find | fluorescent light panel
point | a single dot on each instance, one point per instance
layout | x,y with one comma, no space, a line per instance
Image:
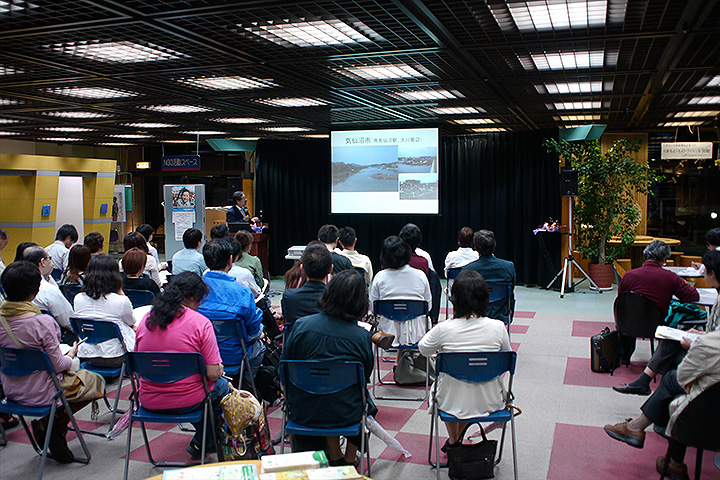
576,118
8,120
178,141
149,125
68,129
7,6
61,139
565,14
714,82
177,108
240,120
292,102
488,130
245,138
116,52
315,135
473,121
456,110
76,114
7,101
286,129
682,124
5,70
430,94
316,33
91,92
707,100
582,105
116,144
227,83
568,60
563,88
202,132
696,114
129,136
381,72
9,134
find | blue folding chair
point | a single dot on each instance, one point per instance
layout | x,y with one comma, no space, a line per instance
95,332
139,298
501,293
56,274
400,311
3,435
70,291
320,378
452,274
166,367
20,362
475,367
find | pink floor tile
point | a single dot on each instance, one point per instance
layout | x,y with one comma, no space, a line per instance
393,418
519,329
417,444
524,314
18,435
515,346
168,447
588,329
577,372
124,392
580,452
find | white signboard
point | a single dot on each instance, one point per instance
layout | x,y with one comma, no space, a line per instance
683,151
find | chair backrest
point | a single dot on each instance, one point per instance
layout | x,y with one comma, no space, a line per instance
56,274
320,377
636,316
139,298
400,310
452,273
227,329
699,422
70,291
96,331
20,362
360,270
499,291
476,367
165,367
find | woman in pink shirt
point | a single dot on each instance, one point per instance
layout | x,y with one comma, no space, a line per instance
173,325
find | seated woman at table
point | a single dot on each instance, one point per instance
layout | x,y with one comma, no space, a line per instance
135,239
332,335
21,282
173,325
469,331
133,263
78,259
102,298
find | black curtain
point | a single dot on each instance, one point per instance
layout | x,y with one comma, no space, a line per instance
505,182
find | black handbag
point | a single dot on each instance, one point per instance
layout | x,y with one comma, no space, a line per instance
472,462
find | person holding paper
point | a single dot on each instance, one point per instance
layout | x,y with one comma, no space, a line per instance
670,353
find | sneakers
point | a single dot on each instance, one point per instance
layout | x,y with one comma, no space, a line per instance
383,340
622,432
194,450
630,389
675,471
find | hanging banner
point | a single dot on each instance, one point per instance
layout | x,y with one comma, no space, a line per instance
686,151
180,162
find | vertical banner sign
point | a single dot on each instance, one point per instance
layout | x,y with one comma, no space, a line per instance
118,206
180,162
183,208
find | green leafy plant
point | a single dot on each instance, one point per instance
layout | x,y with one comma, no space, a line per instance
605,206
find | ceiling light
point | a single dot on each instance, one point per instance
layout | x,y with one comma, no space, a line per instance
576,118
8,120
8,6
7,101
244,138
8,134
149,125
315,135
240,120
68,129
382,72
696,114
227,83
562,88
178,141
5,70
116,144
682,124
559,14
116,52
422,95
292,102
713,82
317,33
61,139
91,92
707,100
177,108
568,60
76,114
286,129
574,105
456,110
202,132
129,136
473,121
488,130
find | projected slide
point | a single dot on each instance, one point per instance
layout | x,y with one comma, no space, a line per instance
385,171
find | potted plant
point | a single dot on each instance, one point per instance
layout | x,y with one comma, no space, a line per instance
605,208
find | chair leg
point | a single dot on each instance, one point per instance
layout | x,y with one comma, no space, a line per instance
514,450
282,436
430,441
666,464
85,460
30,436
437,443
502,442
4,440
127,449
698,463
46,446
204,434
147,444
363,445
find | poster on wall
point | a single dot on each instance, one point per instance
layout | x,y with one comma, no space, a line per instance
183,208
118,205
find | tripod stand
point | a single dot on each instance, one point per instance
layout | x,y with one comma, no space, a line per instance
569,262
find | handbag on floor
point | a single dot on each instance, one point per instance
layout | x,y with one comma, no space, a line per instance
603,351
410,369
474,461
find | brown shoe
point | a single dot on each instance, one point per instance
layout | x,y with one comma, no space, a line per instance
622,432
675,471
383,340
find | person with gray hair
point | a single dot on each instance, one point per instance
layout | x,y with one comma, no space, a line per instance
656,284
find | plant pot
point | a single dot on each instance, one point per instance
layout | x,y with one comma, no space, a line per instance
602,275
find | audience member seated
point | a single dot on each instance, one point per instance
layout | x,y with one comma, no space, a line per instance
219,231
133,264
400,281
189,259
242,275
656,284
147,231
699,370
20,250
348,240
95,242
316,264
328,234
493,270
332,335
174,325
49,298
21,281
102,298
3,243
251,262
78,260
669,353
295,277
135,239
712,242
464,254
228,300
412,235
470,330
65,237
